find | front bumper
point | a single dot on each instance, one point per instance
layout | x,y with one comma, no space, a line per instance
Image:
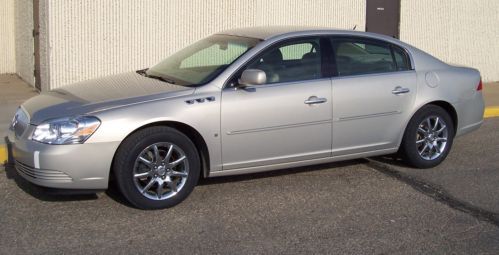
76,166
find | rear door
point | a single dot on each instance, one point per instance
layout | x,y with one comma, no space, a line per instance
285,120
373,92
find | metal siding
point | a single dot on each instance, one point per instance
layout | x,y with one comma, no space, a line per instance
96,38
7,37
464,32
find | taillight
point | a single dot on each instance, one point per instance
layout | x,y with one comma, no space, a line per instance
479,88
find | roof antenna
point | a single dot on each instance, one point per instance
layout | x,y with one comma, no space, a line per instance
354,27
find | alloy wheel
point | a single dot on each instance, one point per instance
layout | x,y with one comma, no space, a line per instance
160,171
431,137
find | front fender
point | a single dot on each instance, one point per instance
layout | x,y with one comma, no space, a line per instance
202,115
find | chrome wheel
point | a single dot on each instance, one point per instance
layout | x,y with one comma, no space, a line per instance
160,171
431,137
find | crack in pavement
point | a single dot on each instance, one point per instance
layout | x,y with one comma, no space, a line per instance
436,193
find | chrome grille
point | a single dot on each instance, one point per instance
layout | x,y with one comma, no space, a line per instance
42,174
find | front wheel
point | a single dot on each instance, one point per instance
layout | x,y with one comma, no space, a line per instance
428,137
156,167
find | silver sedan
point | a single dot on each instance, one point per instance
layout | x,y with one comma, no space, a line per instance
244,101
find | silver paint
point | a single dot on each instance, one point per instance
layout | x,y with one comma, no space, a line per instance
261,127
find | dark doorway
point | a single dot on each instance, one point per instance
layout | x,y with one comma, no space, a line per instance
36,39
383,17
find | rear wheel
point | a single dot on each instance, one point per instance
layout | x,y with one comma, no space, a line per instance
156,168
428,137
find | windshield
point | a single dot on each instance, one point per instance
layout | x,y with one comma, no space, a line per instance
202,61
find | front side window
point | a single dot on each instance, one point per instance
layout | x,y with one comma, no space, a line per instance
202,61
357,57
292,61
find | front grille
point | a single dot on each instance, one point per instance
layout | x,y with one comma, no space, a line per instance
20,122
42,174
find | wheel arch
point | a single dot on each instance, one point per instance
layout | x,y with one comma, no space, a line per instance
449,109
189,131
444,105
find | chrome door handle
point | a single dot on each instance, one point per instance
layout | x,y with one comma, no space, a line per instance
315,100
399,90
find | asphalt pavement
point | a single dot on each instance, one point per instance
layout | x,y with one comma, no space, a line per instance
469,174
373,206
367,206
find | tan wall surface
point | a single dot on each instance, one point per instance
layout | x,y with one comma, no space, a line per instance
96,38
464,32
83,39
7,37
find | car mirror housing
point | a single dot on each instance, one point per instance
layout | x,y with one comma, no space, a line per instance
253,77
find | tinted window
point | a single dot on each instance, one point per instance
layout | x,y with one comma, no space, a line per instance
296,51
354,58
401,59
295,61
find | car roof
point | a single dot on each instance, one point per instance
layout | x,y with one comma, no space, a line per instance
267,32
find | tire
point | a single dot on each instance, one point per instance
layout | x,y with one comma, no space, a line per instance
438,138
149,169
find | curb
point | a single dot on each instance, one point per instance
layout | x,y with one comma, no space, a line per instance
492,111
3,154
489,112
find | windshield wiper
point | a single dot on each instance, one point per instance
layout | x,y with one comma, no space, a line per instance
143,73
159,78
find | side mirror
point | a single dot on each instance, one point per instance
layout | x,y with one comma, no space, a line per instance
253,77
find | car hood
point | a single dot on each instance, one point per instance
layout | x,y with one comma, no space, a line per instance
99,94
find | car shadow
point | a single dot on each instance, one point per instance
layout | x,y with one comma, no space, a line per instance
279,172
57,195
393,160
39,192
42,193
113,192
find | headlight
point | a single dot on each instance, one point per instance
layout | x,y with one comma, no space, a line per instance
66,130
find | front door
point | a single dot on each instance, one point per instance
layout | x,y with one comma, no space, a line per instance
285,120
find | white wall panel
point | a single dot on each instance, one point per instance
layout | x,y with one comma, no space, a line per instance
464,32
95,38
7,37
25,60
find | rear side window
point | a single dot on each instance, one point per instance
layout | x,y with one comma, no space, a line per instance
401,59
363,57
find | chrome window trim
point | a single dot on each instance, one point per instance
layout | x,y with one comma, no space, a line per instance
278,84
366,39
330,37
370,74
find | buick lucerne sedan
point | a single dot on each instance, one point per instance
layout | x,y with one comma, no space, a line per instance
243,101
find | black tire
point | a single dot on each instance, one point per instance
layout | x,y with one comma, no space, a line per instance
129,151
410,150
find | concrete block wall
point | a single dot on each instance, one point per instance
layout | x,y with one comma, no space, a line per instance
7,37
96,38
82,39
464,32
